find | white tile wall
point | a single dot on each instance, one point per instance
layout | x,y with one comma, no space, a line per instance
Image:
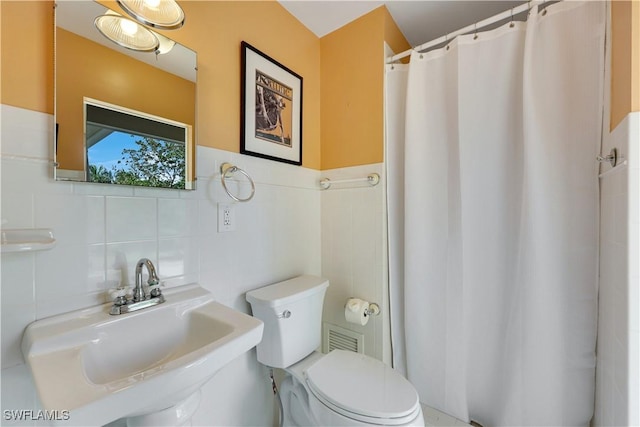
354,253
633,181
103,230
618,369
131,219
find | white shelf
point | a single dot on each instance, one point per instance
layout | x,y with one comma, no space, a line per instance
27,240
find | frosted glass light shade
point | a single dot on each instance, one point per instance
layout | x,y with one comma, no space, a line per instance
165,44
126,33
162,14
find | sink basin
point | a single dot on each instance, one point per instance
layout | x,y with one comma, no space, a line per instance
102,367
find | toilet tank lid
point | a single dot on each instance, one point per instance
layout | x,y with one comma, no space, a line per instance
288,291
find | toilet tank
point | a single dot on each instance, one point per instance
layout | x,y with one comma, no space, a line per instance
292,316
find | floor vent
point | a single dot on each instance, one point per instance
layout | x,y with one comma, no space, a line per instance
335,337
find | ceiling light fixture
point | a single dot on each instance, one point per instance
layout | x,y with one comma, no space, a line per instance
162,14
165,44
126,33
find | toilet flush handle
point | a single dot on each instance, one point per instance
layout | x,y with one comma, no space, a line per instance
284,315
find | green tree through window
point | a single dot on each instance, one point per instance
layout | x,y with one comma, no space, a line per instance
153,163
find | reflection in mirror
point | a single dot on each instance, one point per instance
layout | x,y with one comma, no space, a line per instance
122,117
132,148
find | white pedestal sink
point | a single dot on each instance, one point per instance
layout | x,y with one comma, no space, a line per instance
102,367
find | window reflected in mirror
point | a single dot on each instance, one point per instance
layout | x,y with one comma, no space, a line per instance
129,147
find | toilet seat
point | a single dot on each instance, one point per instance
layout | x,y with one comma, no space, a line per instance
363,389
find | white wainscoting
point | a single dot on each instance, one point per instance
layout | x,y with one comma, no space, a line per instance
618,369
354,253
102,230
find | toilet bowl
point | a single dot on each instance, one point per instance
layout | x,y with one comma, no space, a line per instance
341,388
344,388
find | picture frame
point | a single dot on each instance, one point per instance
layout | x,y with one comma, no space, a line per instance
271,108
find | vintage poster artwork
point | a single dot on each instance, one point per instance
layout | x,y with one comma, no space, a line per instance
274,110
271,109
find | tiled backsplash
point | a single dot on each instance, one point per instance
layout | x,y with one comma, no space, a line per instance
102,230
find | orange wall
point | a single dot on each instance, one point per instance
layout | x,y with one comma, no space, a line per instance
625,59
214,29
27,55
352,82
393,36
102,79
344,70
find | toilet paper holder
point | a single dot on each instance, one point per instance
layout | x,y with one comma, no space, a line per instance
358,311
372,310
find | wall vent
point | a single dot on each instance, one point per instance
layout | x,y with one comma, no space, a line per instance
335,337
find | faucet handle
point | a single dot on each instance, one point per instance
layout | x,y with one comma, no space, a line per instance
119,295
121,300
156,292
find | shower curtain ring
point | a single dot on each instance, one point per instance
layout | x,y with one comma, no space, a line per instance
512,24
446,41
475,31
544,11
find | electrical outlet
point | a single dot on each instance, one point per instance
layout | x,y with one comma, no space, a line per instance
226,218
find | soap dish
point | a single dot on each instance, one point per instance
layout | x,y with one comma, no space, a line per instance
27,239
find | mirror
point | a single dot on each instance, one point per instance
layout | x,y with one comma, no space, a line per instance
122,117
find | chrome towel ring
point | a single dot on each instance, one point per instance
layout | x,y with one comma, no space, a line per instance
226,171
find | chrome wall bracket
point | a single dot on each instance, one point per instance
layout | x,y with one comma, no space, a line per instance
373,309
611,158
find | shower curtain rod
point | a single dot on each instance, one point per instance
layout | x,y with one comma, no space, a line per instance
469,28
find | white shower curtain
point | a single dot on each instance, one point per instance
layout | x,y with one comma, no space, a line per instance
495,318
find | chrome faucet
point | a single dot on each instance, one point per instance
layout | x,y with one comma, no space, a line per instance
140,300
138,291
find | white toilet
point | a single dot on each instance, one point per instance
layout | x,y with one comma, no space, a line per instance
341,388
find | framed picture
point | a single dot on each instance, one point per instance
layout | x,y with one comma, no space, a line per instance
271,98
